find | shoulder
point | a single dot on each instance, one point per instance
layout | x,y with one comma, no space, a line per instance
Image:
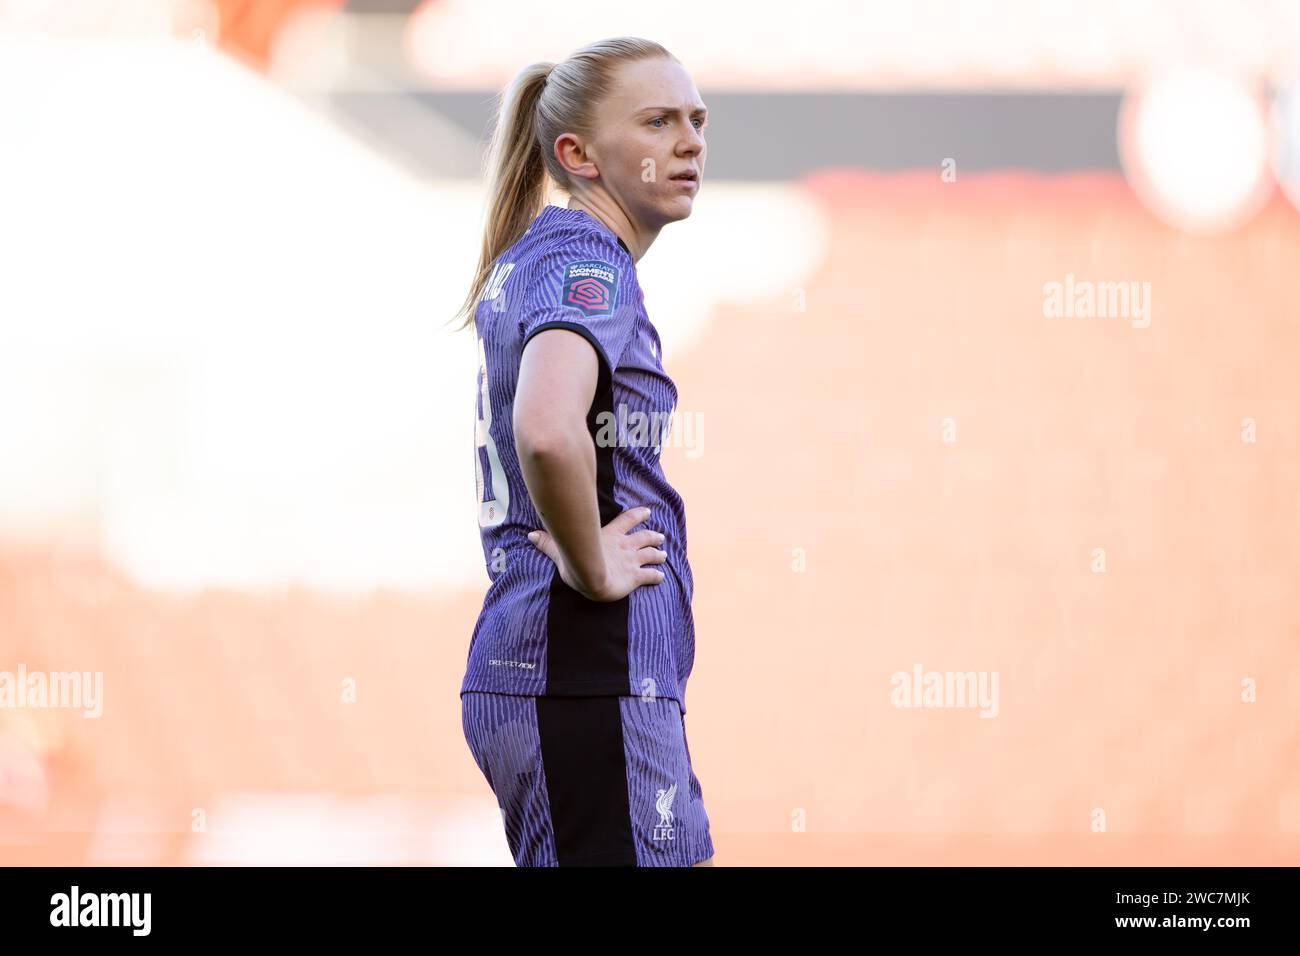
581,241
575,263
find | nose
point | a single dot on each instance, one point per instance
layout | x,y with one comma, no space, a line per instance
693,144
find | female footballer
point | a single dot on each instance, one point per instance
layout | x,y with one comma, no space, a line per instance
573,701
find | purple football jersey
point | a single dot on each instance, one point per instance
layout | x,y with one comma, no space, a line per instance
535,635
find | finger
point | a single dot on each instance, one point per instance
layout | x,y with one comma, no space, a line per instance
652,556
541,540
649,576
647,538
630,519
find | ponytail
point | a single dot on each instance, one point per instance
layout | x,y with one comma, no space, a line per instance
543,101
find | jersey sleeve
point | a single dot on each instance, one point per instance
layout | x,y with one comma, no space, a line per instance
586,288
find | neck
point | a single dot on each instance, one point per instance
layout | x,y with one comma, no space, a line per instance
605,210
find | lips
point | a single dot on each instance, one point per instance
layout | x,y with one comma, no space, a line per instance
689,174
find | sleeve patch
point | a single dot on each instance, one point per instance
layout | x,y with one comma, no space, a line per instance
590,285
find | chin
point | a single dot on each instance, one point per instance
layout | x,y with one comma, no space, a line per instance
680,208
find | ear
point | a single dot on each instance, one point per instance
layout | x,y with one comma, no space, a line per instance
575,156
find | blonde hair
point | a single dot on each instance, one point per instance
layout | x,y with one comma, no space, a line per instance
543,101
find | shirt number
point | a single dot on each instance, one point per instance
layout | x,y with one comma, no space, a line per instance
491,511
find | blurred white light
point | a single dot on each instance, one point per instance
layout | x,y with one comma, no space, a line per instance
1286,140
222,321
830,44
386,829
1194,144
25,11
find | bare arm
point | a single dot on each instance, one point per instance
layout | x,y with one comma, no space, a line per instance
557,381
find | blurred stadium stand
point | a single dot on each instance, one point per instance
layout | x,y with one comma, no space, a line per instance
237,455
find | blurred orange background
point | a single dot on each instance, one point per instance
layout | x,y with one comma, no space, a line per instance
892,457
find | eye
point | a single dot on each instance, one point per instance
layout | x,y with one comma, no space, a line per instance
696,121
